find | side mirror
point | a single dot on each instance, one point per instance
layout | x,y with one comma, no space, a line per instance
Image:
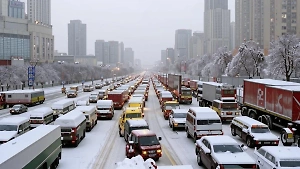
159,138
207,151
130,142
20,131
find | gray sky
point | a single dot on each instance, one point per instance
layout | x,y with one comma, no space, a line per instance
148,26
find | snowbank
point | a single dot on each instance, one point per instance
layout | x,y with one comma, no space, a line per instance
136,163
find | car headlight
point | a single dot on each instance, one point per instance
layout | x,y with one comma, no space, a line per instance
158,151
144,152
175,124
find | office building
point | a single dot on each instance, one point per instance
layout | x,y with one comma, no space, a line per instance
232,36
113,52
163,56
170,54
12,8
196,48
39,11
216,25
106,54
129,57
182,39
99,50
121,52
76,38
265,21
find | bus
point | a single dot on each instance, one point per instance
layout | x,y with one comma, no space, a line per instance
62,107
40,116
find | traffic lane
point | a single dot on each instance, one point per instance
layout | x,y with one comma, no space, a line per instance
153,116
85,155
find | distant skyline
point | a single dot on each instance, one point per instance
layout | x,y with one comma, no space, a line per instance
145,26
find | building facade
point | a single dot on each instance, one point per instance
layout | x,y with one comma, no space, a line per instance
196,47
232,36
265,21
39,11
182,39
163,56
86,60
121,52
106,54
216,25
113,52
99,50
20,38
170,56
76,38
129,57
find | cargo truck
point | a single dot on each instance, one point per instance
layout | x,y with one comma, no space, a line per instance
194,87
38,148
118,97
26,97
181,93
275,103
221,98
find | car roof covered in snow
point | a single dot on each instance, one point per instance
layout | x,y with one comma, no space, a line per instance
219,140
13,120
282,152
273,82
137,122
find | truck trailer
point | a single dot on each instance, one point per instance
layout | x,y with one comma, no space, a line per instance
275,103
180,92
38,148
118,97
26,97
221,98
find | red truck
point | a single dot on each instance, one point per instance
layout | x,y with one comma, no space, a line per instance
194,87
275,103
118,97
181,93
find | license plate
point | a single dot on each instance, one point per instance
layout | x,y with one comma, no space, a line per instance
61,138
267,142
102,116
152,155
290,135
229,113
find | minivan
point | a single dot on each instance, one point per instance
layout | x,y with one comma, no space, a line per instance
202,121
134,124
105,109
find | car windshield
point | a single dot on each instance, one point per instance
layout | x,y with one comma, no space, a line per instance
186,92
8,127
207,122
179,115
237,166
133,115
260,130
16,106
290,163
148,141
229,105
71,92
227,148
93,97
103,108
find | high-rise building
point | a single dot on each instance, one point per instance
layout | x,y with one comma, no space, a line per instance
232,36
113,52
39,11
163,56
12,8
196,47
129,57
99,50
265,21
216,25
121,52
170,54
106,54
76,38
182,39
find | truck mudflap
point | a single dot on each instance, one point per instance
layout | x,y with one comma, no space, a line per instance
287,136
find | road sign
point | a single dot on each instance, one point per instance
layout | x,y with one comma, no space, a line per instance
31,75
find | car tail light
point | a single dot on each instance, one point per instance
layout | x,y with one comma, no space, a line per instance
254,166
221,167
74,130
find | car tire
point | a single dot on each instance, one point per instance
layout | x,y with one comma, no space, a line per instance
199,161
187,133
173,128
249,142
170,124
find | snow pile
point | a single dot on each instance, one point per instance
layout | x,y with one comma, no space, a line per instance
136,163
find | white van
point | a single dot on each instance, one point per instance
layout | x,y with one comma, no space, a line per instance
105,109
202,121
62,107
12,127
82,103
73,127
90,114
42,115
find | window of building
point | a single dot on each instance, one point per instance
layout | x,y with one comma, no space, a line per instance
284,27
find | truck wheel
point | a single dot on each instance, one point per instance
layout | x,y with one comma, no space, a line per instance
187,133
283,138
233,133
199,161
252,115
270,121
244,112
195,138
249,142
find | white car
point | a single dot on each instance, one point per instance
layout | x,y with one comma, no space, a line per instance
221,152
279,157
177,118
82,103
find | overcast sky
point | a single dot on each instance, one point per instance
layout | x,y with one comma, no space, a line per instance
148,26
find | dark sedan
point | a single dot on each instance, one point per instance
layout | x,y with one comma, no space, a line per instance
18,109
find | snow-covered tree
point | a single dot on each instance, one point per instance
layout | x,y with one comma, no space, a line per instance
248,62
198,65
219,64
284,56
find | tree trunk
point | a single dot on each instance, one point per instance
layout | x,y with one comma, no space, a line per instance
288,77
